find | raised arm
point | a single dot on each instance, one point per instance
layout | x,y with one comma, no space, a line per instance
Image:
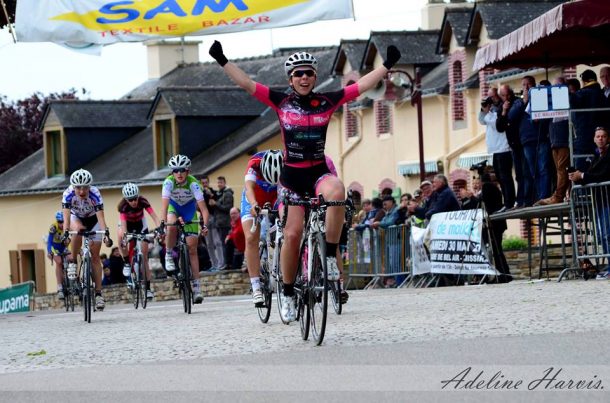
371,79
236,74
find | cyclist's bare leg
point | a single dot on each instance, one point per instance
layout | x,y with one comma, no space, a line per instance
191,242
76,240
252,239
171,232
289,255
332,189
59,271
96,264
123,249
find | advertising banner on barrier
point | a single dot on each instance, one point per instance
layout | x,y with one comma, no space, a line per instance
88,22
16,298
456,244
420,255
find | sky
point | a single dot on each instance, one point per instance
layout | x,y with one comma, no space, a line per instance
26,68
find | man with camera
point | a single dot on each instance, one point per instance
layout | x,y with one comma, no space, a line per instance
498,147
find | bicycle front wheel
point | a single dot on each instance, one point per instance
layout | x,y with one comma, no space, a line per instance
66,289
185,271
135,282
318,290
265,278
87,289
143,288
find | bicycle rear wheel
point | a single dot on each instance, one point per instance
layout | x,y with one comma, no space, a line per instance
318,290
335,296
265,278
67,291
303,312
279,285
185,270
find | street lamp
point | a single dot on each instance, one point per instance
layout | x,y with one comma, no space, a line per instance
413,88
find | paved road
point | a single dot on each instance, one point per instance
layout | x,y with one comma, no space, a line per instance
388,345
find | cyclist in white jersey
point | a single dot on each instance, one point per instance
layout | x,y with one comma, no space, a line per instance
83,209
181,195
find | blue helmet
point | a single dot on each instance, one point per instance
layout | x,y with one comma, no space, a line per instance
59,216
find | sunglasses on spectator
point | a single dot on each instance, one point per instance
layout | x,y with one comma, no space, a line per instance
179,170
301,73
132,199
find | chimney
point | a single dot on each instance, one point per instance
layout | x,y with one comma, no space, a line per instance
163,56
433,12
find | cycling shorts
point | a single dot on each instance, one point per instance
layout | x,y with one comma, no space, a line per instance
188,212
90,223
245,205
139,227
57,248
295,182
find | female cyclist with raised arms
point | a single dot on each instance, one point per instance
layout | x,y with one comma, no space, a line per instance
180,197
131,214
304,116
83,209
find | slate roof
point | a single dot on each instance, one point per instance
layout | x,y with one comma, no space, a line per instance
268,70
352,51
416,47
503,17
436,81
73,113
456,21
209,101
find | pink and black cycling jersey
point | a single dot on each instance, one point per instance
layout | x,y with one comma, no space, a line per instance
134,214
304,120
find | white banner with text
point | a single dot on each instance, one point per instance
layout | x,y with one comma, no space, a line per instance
89,22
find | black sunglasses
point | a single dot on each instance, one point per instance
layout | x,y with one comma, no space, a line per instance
301,73
179,170
132,199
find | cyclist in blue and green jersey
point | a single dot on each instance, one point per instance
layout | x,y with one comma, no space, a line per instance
55,247
181,195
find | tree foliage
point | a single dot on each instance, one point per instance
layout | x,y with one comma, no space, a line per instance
10,8
19,126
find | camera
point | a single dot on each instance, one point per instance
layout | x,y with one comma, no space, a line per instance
479,167
486,102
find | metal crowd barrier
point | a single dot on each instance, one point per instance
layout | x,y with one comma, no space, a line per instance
377,254
590,207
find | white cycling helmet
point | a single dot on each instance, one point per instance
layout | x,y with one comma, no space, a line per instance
271,165
179,161
300,59
81,177
130,190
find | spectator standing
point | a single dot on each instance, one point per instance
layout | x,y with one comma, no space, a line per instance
403,210
497,146
235,242
511,128
468,200
604,77
391,213
599,171
210,195
222,204
589,96
559,134
536,146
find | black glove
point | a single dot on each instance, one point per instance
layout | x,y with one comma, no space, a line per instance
217,54
392,56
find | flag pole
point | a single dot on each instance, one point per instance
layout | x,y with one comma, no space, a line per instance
8,21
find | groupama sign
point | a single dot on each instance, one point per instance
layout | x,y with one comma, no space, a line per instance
16,298
105,22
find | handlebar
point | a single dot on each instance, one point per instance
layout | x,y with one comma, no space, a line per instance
87,233
142,237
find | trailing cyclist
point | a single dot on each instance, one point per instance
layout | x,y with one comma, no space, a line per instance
55,248
181,195
304,117
262,175
83,209
131,213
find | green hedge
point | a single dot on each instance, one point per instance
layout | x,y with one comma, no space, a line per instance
514,243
